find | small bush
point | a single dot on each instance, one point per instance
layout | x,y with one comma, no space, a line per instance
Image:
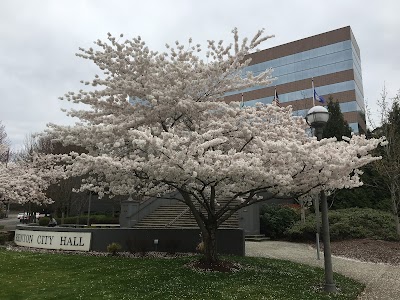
276,219
44,221
2,239
200,247
6,236
114,248
352,223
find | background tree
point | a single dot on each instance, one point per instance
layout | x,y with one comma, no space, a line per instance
5,145
336,126
389,166
372,193
22,182
179,139
62,192
4,158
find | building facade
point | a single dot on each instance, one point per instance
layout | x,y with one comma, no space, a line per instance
331,59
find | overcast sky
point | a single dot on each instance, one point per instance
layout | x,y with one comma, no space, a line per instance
39,39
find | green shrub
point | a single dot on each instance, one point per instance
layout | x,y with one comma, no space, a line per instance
44,221
6,236
302,231
114,248
352,223
276,219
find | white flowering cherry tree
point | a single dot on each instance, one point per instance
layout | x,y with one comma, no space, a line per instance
26,181
23,182
178,136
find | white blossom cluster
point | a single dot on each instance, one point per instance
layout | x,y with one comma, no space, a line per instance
181,135
22,182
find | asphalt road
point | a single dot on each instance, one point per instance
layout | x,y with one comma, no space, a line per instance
11,222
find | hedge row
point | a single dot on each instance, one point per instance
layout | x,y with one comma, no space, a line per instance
93,219
351,223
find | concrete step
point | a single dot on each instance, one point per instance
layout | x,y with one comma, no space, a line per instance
256,238
180,218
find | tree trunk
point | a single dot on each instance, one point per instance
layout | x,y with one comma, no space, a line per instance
394,208
397,222
208,227
302,212
210,245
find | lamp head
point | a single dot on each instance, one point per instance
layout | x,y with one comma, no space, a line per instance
317,116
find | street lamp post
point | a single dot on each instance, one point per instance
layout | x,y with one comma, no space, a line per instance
317,117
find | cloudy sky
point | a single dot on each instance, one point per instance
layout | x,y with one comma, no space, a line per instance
39,39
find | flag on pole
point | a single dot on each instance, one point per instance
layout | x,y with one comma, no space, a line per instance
315,95
318,97
276,99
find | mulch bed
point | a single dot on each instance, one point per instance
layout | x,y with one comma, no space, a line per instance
220,266
376,251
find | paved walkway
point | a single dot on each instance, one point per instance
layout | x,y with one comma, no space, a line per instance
382,281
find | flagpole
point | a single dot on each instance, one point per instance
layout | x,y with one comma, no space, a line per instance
313,91
8,156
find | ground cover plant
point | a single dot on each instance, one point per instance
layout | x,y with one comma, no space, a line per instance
62,276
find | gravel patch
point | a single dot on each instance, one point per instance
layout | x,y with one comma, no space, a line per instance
369,250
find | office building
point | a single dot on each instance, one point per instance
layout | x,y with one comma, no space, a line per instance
331,59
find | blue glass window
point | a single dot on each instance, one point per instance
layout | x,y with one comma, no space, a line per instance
312,63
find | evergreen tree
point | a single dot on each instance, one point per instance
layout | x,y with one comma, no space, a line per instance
336,126
373,193
389,166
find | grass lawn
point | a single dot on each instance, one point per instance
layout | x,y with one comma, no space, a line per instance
26,275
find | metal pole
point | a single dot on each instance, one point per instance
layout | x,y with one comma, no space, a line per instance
317,220
318,133
90,202
329,286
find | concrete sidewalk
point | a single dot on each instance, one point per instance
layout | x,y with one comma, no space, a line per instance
382,281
